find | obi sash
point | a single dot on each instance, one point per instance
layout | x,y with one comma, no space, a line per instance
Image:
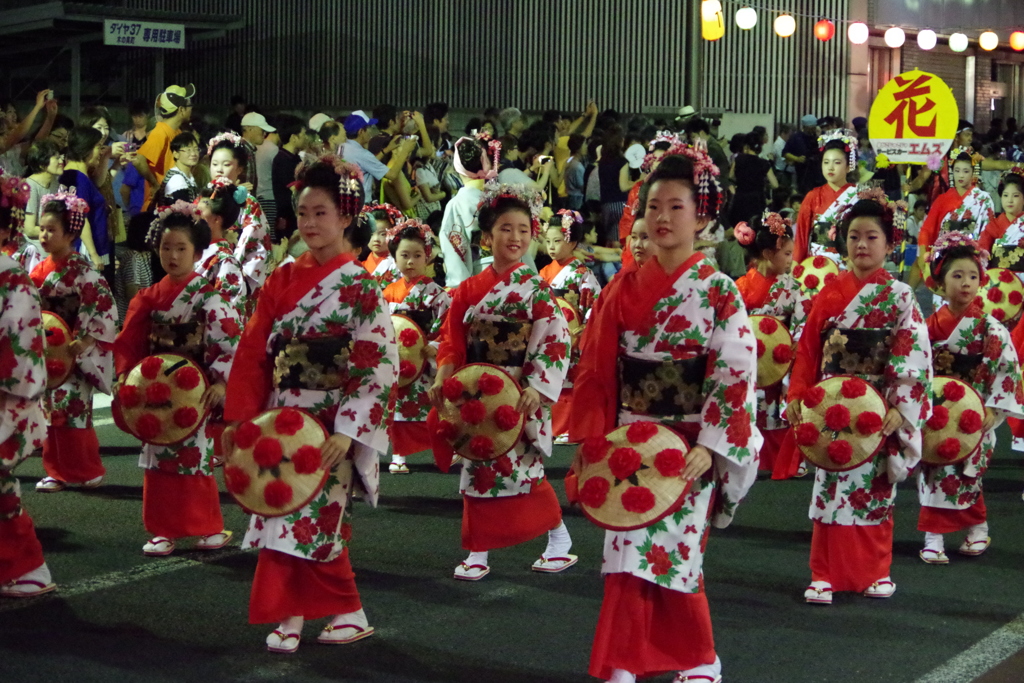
423,317
1009,256
313,363
849,351
662,388
498,342
65,306
185,339
963,366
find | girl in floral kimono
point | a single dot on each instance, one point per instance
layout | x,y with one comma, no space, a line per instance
769,289
976,348
326,303
183,314
1005,235
229,158
570,279
820,211
963,207
509,501
418,297
220,207
71,288
676,317
381,263
14,195
851,546
23,571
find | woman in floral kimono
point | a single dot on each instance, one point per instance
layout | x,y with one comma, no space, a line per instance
509,501
975,348
570,279
419,298
220,207
678,325
327,302
820,211
473,161
23,571
72,289
769,289
381,263
183,314
851,547
963,207
14,195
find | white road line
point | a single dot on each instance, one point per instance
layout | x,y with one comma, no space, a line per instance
102,422
980,657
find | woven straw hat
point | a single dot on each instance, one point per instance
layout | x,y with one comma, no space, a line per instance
953,433
631,478
412,349
161,399
479,417
841,425
1002,296
774,349
573,317
814,272
59,361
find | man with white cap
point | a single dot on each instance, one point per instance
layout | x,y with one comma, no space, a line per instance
155,158
317,121
263,138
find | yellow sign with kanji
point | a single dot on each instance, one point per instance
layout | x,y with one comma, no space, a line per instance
914,116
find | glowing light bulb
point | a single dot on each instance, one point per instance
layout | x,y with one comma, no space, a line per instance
857,33
895,37
746,18
824,30
785,25
926,39
958,42
988,41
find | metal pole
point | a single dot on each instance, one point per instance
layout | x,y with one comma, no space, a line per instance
76,79
693,67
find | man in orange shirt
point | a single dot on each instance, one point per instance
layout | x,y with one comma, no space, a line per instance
155,158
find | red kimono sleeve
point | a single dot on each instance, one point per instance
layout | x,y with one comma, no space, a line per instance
806,367
452,349
249,383
132,343
804,220
595,390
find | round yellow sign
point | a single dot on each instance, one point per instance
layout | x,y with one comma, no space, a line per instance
914,116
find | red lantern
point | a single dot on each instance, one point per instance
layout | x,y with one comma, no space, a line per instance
1017,40
824,30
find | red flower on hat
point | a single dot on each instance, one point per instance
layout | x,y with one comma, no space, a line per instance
158,393
307,459
624,463
594,492
409,337
406,369
641,432
949,449
473,412
1006,276
187,378
277,493
999,314
768,325
236,479
186,417
55,367
970,421
129,396
939,418
267,453
481,446
814,396
594,449
783,353
818,262
55,337
853,388
811,281
490,384
829,277
869,423
995,295
151,367
760,348
452,389
807,434
148,427
837,417
840,452
506,417
798,272
246,435
446,430
289,421
638,499
953,391
669,462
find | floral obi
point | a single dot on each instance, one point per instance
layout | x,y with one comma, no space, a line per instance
498,342
64,306
662,388
184,339
963,366
570,295
1009,256
849,351
424,318
312,363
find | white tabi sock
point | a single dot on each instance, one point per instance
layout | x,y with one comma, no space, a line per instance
559,542
713,670
350,619
622,676
934,542
398,459
477,558
978,532
291,625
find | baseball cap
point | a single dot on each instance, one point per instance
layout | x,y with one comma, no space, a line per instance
809,120
257,120
358,120
176,96
317,122
635,155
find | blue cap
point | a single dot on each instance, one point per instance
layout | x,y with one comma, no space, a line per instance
358,120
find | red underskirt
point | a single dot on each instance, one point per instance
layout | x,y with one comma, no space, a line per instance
489,523
408,438
20,551
560,412
180,505
788,458
72,455
773,439
851,557
289,586
946,521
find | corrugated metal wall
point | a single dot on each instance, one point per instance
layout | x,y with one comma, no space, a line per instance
756,71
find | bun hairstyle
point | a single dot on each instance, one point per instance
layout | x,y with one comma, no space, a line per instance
964,156
414,234
196,228
223,203
570,224
240,153
681,169
325,174
837,145
954,254
490,212
469,151
868,208
1011,179
770,232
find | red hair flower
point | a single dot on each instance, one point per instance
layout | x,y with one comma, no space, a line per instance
267,453
481,446
624,463
939,418
490,384
148,427
594,492
246,435
807,434
814,396
473,412
129,396
452,389
186,417
151,367
641,432
277,494
670,462
406,369
409,337
854,388
970,421
638,499
236,479
783,353
158,393
869,423
837,417
840,452
55,337
506,417
187,378
953,391
768,325
949,449
288,422
307,459
594,449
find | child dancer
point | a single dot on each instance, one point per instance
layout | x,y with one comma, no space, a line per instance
851,546
23,571
571,280
769,289
71,288
179,492
418,297
820,211
327,302
509,501
381,262
975,348
963,207
220,207
1004,236
14,195
675,310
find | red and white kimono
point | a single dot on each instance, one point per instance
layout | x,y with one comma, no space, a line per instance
975,348
179,492
80,295
851,546
22,421
221,268
970,213
509,501
574,282
303,567
820,212
776,296
654,617
253,247
22,251
383,269
426,303
1006,235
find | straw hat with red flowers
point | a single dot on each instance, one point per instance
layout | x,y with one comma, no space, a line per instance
59,361
479,419
774,349
158,399
814,272
1002,296
573,317
841,423
412,349
953,432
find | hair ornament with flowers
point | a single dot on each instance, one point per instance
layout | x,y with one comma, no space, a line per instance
14,191
73,204
234,138
350,180
896,212
393,212
221,183
777,225
705,173
569,217
489,168
425,233
495,191
949,240
847,137
1016,169
744,233
675,146
181,208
